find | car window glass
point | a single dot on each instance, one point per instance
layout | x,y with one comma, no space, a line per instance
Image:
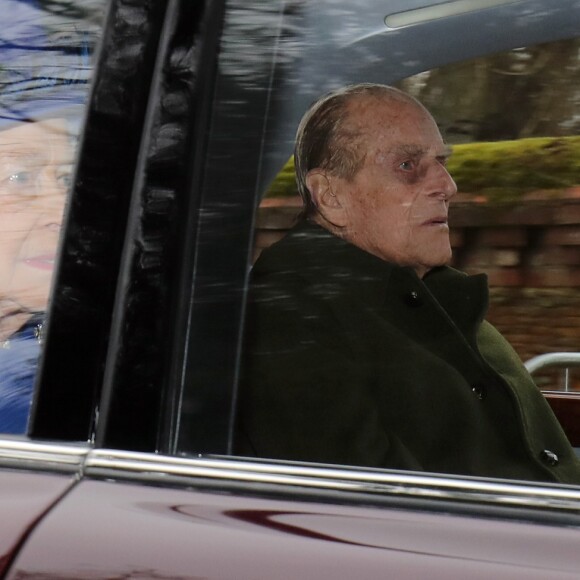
303,50
46,58
512,121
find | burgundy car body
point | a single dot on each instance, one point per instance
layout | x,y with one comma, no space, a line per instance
26,496
138,516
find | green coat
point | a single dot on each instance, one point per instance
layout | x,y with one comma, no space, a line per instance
352,360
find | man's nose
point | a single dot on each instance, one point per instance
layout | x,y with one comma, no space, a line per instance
444,185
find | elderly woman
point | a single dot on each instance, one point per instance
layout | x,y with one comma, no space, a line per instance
44,71
35,162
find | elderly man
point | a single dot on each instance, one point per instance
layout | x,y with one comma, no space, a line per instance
363,348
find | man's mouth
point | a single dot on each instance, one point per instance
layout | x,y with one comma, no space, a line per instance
45,262
437,221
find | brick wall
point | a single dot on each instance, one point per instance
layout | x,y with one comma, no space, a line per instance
530,251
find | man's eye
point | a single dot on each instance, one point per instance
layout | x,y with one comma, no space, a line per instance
406,165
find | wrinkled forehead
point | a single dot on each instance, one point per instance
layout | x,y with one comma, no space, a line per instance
47,140
391,120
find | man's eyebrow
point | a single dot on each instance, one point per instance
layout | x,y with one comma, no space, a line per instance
412,150
418,151
409,149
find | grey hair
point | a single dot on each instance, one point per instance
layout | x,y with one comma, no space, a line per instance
324,141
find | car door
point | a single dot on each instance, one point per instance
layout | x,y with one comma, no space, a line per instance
191,116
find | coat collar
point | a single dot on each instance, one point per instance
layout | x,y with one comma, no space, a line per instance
465,298
313,254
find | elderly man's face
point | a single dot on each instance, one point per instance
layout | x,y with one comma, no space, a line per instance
396,206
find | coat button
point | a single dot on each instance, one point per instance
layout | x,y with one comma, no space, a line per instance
479,391
549,457
413,299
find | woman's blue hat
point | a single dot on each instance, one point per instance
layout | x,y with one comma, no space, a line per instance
44,61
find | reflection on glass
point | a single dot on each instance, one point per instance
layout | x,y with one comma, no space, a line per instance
35,165
45,50
522,93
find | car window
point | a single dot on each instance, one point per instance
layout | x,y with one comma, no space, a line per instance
46,57
301,52
184,152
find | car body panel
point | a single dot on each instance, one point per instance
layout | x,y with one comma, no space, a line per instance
33,477
24,499
107,529
134,515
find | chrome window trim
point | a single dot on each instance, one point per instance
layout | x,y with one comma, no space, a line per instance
150,468
32,455
157,469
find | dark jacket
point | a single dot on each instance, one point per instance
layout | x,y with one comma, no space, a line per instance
352,360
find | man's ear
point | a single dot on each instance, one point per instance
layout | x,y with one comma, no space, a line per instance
327,202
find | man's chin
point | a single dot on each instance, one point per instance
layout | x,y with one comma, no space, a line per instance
438,263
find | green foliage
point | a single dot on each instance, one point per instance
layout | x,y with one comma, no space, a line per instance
505,170
285,183
499,171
